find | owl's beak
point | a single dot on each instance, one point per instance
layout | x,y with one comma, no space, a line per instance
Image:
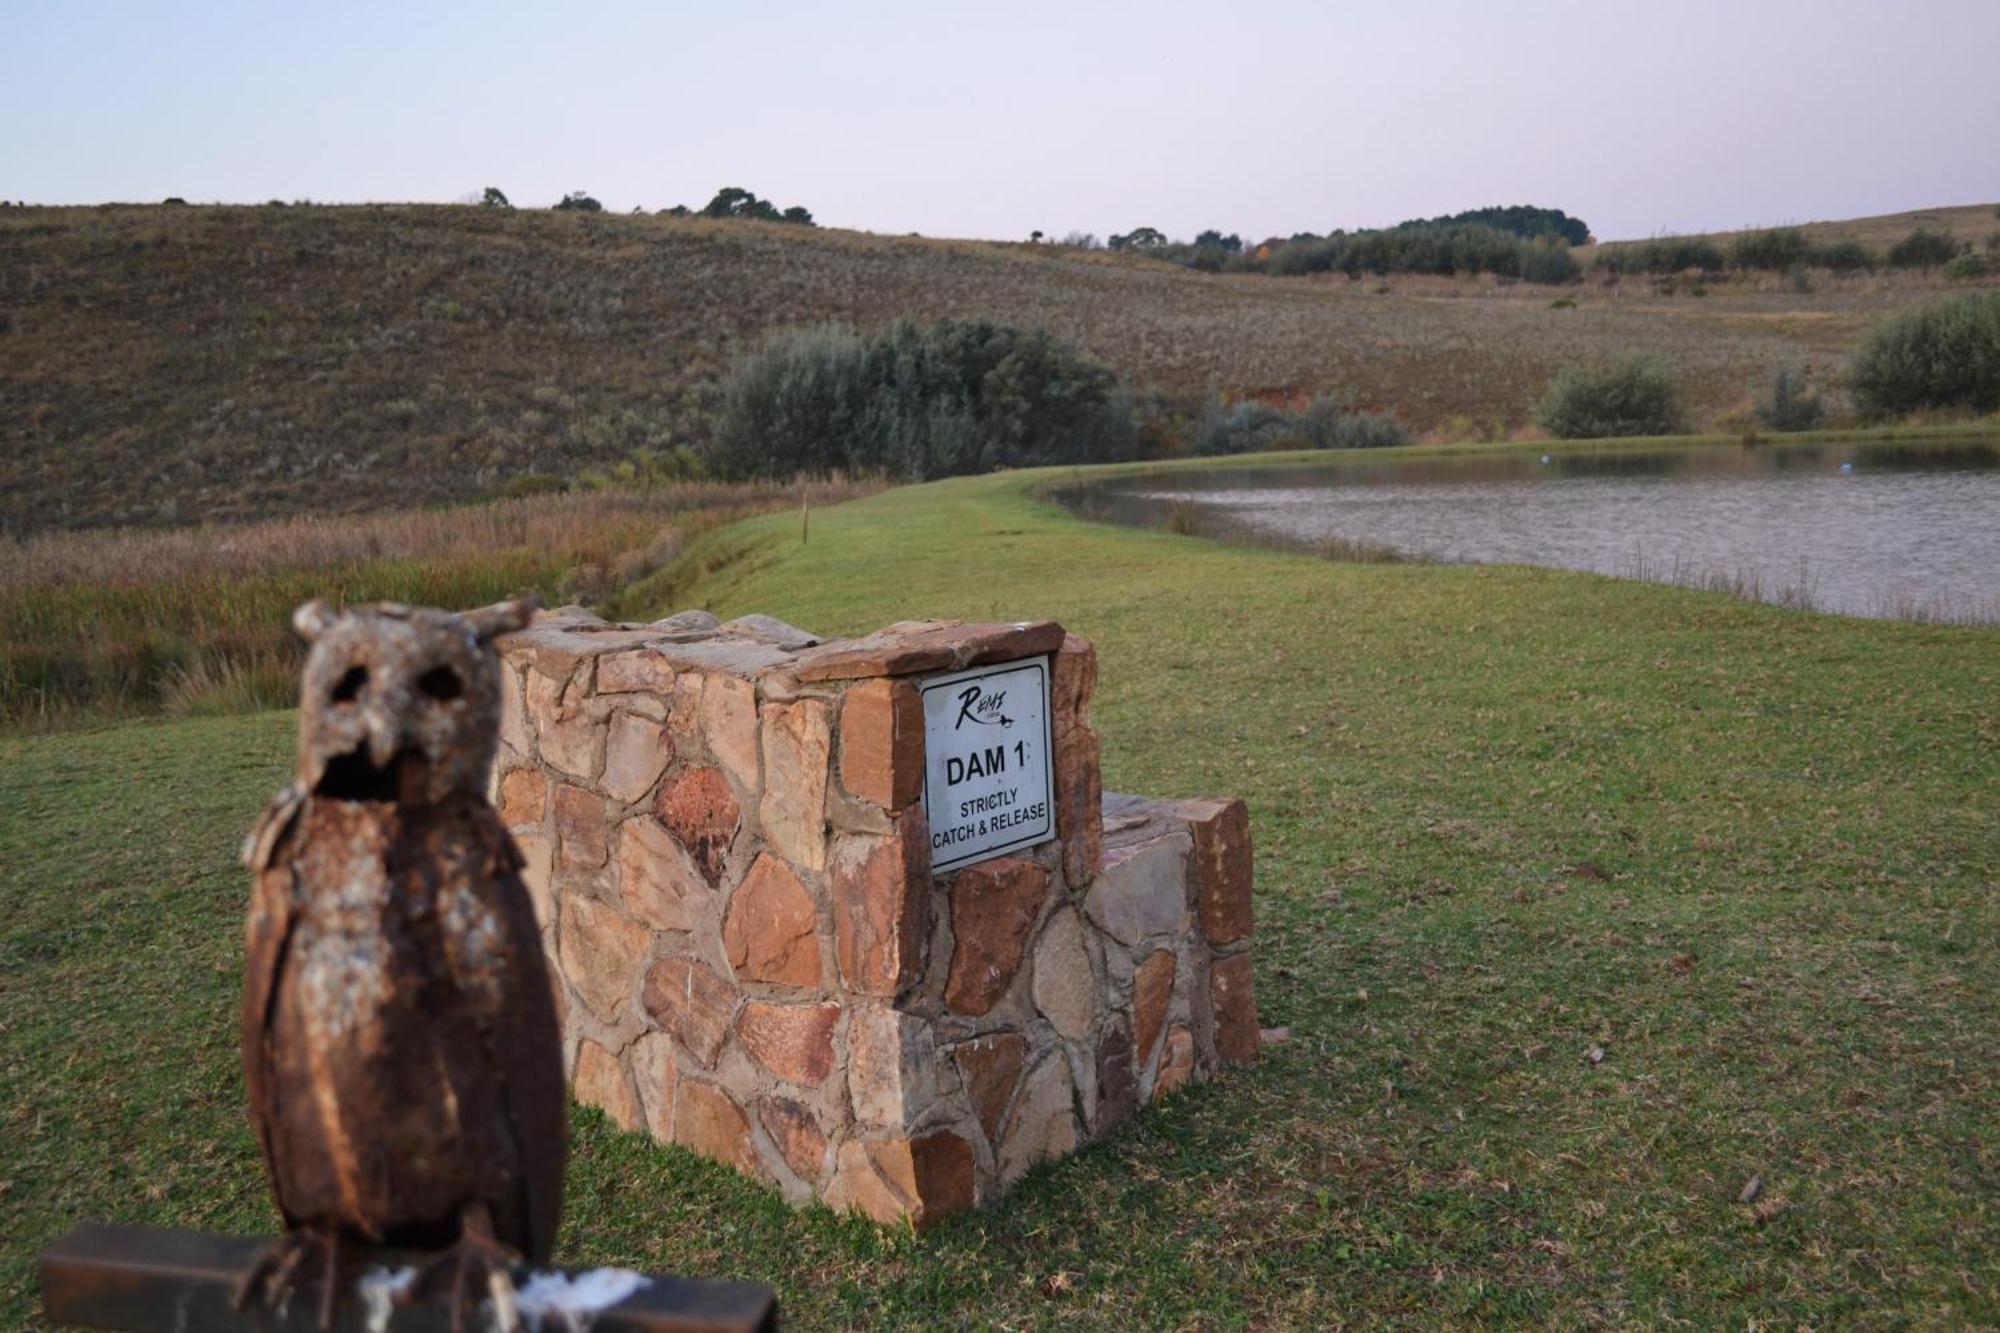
385,736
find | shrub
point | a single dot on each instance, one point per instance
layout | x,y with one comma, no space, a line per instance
578,202
1966,266
1546,261
1942,355
1663,254
1791,405
1842,257
1245,427
1775,249
917,402
493,198
1924,249
1634,395
1327,422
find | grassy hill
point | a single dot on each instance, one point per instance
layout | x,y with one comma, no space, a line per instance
176,364
1585,903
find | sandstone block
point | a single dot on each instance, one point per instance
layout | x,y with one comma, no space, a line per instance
892,1066
797,1135
1222,866
994,907
990,1067
1065,988
538,857
1152,993
636,671
656,1076
684,711
1079,793
582,842
524,798
636,751
729,722
658,883
700,810
882,743
1176,1063
894,1180
600,1082
797,743
600,952
1229,986
690,1001
570,739
514,731
771,930
708,1121
793,1041
1117,1080
881,905
1141,890
1044,1120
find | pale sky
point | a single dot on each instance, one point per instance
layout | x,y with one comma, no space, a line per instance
996,119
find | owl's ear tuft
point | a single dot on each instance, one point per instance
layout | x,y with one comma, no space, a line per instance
490,622
313,619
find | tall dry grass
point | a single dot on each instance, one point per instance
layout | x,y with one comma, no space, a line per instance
103,624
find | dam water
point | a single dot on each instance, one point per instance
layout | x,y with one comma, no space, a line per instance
1908,530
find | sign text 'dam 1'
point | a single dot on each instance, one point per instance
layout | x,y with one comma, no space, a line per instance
987,757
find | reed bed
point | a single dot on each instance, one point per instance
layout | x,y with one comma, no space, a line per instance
96,625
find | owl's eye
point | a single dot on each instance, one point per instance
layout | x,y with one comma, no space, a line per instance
348,688
441,683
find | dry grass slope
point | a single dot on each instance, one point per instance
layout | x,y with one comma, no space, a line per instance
177,364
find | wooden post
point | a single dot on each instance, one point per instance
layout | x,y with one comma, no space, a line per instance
148,1279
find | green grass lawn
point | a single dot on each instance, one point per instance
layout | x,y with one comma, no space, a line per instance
1584,901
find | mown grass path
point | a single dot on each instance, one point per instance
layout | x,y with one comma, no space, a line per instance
1584,902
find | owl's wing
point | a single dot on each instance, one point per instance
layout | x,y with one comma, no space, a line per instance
272,826
266,937
527,1046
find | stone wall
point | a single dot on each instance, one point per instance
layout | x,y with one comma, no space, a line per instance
725,839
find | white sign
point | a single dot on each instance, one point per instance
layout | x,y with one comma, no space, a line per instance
987,756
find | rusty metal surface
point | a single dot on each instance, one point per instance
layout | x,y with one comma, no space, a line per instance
152,1280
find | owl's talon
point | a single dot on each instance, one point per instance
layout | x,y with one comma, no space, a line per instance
477,1260
276,1272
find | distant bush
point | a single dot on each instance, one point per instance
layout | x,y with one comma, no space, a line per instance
1778,249
1842,257
579,202
1942,355
1327,422
1523,220
1547,261
917,402
1967,266
1632,396
1663,254
1791,404
1139,238
1442,249
493,198
733,201
1924,249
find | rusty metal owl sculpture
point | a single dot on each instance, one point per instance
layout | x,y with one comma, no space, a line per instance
399,1032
